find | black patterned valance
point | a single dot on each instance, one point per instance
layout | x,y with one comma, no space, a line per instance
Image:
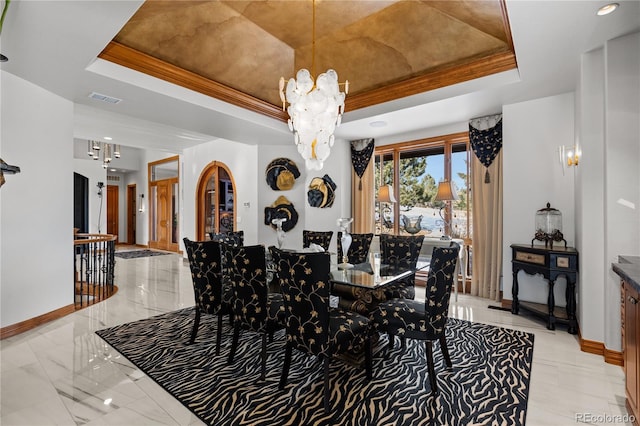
361,152
485,136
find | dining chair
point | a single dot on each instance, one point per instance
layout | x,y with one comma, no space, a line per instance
312,326
358,250
423,320
254,307
208,288
321,238
401,251
234,238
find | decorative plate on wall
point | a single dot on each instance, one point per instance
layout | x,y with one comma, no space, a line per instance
321,192
281,174
281,208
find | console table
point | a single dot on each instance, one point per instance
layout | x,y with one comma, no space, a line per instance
551,263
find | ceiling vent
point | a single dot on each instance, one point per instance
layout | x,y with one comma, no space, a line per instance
104,98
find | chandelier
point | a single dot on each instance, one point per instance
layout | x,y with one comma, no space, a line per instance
315,109
109,151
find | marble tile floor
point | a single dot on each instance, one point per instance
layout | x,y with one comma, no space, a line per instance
62,373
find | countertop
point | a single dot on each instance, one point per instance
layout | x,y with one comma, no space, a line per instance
629,269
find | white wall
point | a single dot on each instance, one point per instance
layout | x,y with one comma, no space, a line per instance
532,133
241,160
36,205
622,172
590,203
337,166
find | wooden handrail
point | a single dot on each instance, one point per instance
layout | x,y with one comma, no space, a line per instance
93,238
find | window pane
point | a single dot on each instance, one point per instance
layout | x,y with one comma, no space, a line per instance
420,172
164,170
385,223
460,220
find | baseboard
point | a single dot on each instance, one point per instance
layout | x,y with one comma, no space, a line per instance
598,348
21,327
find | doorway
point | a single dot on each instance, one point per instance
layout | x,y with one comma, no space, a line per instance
131,214
215,202
80,203
164,205
113,192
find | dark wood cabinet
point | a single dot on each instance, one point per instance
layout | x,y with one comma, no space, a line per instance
551,263
631,337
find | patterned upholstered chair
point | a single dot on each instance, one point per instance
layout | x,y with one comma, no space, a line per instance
401,251
423,320
206,274
321,238
233,238
313,326
359,248
254,308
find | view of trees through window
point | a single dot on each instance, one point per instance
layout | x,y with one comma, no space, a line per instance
414,171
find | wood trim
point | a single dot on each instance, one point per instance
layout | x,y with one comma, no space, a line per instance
591,346
21,327
447,76
613,357
598,348
506,304
136,60
502,60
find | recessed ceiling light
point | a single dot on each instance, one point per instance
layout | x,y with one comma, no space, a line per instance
108,138
607,9
113,170
378,123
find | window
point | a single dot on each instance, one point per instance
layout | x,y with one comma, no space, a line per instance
413,170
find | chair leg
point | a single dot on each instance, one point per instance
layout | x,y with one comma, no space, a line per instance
234,342
391,338
219,333
285,366
271,337
196,323
368,358
263,357
445,351
327,390
431,367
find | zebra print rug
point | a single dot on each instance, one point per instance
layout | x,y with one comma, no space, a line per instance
488,384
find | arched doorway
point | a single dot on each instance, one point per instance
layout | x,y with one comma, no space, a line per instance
216,211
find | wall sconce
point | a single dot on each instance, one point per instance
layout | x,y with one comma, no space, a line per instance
141,207
569,156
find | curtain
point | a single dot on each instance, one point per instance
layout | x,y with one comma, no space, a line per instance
485,137
362,185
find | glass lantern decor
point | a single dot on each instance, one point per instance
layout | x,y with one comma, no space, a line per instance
549,226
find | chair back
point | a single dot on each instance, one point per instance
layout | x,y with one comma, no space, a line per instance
206,274
232,238
248,279
359,249
439,281
400,250
304,281
321,238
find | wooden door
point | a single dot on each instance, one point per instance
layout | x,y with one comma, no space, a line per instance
112,209
164,215
131,214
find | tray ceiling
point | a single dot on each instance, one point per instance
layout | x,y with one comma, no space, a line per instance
237,51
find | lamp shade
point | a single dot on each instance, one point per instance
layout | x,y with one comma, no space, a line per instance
446,192
385,194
